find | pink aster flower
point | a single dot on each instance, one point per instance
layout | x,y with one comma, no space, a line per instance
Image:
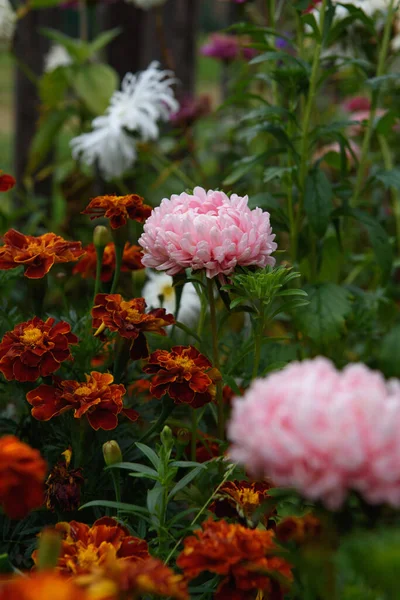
227,48
207,230
322,431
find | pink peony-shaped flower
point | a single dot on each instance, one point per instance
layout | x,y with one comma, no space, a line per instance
207,230
322,431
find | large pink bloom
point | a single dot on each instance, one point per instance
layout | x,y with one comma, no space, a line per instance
207,230
322,431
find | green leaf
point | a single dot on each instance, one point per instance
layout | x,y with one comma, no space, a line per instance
5,565
122,506
379,240
184,481
78,49
323,319
377,82
154,499
94,84
389,353
151,455
136,467
245,165
276,172
186,464
318,201
37,4
53,86
389,178
104,39
45,135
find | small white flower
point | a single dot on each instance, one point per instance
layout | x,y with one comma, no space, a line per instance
56,57
143,100
8,21
146,4
159,292
108,145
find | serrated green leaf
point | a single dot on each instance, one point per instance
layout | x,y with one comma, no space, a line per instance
323,319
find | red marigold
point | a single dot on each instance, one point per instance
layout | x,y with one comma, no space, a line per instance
140,388
243,556
118,209
103,545
299,529
152,576
241,498
98,398
63,486
131,261
130,320
37,254
22,473
6,182
35,349
43,586
185,374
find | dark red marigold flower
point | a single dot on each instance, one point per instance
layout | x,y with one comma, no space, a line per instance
22,473
140,389
185,374
130,320
299,529
241,498
7,182
131,261
118,209
35,349
106,544
244,557
98,399
63,486
151,576
37,254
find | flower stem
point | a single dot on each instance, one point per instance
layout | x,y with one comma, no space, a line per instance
83,21
395,198
119,252
99,264
121,358
383,51
193,440
214,333
115,475
168,406
257,349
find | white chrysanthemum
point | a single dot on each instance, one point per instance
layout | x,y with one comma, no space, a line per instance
8,21
143,100
146,4
56,57
108,144
159,292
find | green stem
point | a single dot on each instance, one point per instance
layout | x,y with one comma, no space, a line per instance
121,358
304,142
214,334
83,21
193,441
388,162
258,332
383,52
117,486
119,252
99,264
168,406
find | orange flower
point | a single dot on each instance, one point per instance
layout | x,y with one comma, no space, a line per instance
241,498
129,319
35,349
41,586
185,374
299,529
22,473
98,398
37,254
104,545
140,388
151,576
244,557
118,209
63,486
131,261
6,182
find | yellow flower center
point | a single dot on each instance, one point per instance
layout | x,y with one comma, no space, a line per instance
248,497
31,336
185,362
88,556
167,292
132,314
83,390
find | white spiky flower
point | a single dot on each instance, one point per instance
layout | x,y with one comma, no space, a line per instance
57,56
144,99
159,292
8,22
146,4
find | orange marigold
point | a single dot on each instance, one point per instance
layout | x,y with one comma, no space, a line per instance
104,545
22,473
42,586
35,349
185,374
130,320
241,498
6,182
37,254
152,576
98,398
63,486
244,557
131,261
299,529
118,209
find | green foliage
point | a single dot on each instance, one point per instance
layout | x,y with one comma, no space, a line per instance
94,84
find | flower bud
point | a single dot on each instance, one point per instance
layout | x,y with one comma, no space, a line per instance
112,453
183,436
101,236
167,438
49,549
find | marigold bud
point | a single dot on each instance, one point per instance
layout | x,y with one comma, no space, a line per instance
167,438
49,549
101,236
112,453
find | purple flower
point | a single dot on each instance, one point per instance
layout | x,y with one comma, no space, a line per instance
227,48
